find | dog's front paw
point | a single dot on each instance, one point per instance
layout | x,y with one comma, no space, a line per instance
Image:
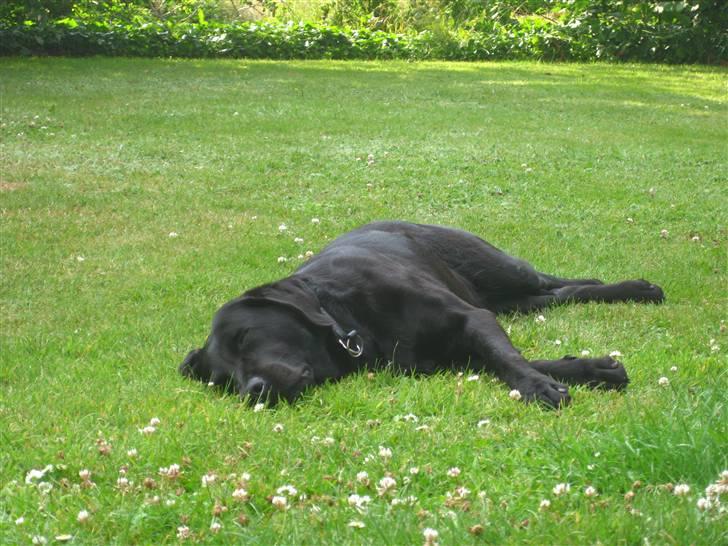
543,389
605,373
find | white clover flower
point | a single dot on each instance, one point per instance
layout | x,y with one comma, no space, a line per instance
183,532
663,381
123,483
664,233
615,354
37,474
713,491
430,535
462,492
173,234
561,488
704,504
359,502
673,369
83,516
362,477
20,521
170,502
473,377
172,471
540,318
308,253
278,427
453,472
215,527
279,502
45,487
84,474
208,479
298,240
695,238
328,441
282,228
258,407
282,259
133,453
414,470
585,352
287,490
149,429
315,221
514,394
410,418
385,452
386,485
590,491
544,504
245,477
356,524
681,489
557,342
240,494
483,423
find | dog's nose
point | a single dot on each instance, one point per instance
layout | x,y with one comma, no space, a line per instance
257,387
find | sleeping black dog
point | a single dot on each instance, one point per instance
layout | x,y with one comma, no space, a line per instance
422,297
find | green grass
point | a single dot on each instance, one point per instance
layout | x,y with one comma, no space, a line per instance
103,159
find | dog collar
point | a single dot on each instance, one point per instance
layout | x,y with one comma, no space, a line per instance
353,343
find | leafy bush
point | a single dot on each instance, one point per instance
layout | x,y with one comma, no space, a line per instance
673,32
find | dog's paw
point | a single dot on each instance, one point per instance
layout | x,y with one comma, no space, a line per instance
543,389
605,373
643,291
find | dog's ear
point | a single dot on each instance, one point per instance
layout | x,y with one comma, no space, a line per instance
296,296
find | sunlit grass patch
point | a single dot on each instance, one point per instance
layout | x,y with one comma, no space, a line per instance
157,191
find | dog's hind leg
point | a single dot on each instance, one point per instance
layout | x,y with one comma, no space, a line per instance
605,372
549,282
639,291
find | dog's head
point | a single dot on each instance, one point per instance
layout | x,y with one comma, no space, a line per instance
270,344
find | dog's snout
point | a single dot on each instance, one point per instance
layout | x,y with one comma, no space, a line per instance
187,368
257,387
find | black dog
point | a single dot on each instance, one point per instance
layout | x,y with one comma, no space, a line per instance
424,297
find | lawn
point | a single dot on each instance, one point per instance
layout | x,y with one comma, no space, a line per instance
137,196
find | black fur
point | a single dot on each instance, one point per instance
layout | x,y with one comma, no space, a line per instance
424,297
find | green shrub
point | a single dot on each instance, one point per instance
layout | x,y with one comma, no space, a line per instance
671,32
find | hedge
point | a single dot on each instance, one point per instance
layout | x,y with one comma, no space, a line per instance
532,38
